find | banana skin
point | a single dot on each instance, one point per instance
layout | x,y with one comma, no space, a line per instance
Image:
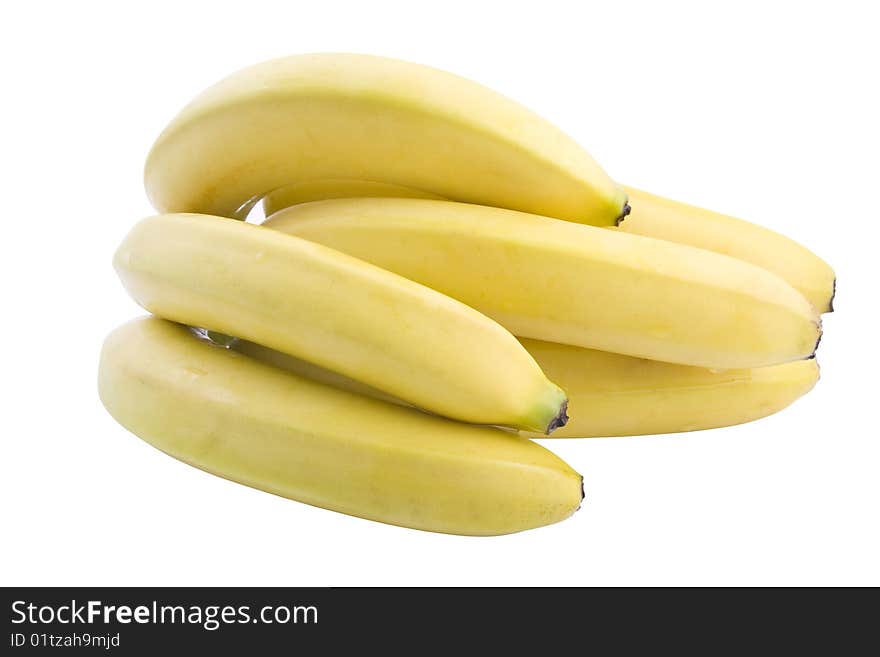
322,190
615,395
651,216
662,218
346,116
232,416
307,370
344,314
563,282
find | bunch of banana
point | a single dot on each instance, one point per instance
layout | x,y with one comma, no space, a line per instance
436,257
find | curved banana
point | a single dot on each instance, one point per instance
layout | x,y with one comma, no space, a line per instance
338,312
662,218
615,395
654,216
329,116
234,417
563,282
322,190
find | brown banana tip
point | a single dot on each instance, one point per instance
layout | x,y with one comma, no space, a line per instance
818,340
626,210
560,420
583,496
833,293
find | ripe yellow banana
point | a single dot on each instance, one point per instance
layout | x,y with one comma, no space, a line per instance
662,218
562,282
616,395
341,313
230,415
330,116
322,190
653,216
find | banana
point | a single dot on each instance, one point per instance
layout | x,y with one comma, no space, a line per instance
654,216
661,218
322,190
344,116
562,282
338,312
615,395
257,425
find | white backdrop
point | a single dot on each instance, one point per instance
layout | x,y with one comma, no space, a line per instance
764,110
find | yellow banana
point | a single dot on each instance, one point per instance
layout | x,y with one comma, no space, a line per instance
615,395
330,116
662,218
338,312
260,426
562,282
322,190
654,216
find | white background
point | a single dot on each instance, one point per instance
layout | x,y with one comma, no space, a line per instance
768,111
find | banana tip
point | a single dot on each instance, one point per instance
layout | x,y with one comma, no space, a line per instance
560,420
833,293
626,210
818,340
